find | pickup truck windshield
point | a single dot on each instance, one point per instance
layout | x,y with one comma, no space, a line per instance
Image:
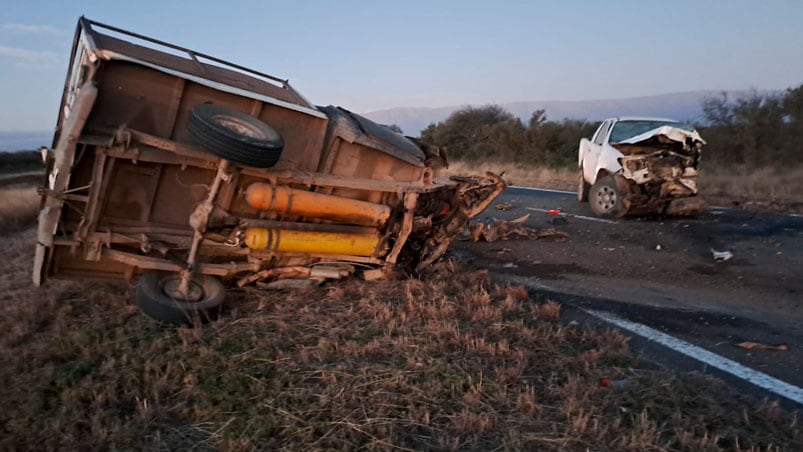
628,129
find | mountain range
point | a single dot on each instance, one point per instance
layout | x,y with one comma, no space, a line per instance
684,106
24,141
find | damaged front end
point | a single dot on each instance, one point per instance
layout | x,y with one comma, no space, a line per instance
660,169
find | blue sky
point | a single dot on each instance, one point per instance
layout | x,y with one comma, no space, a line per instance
369,55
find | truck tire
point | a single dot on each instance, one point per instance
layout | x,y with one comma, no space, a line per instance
583,187
155,298
606,199
235,136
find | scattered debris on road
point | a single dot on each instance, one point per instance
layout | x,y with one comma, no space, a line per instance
759,346
504,206
502,229
499,229
556,217
551,233
721,256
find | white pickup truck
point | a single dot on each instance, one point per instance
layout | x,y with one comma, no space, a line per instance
640,166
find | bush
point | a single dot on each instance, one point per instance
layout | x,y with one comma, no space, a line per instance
491,133
13,162
760,130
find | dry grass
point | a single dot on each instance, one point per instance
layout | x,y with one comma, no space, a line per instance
521,174
758,184
19,207
450,362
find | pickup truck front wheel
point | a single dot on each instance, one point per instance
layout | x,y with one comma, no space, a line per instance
606,199
235,136
159,299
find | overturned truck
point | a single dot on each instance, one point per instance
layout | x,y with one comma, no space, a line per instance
185,172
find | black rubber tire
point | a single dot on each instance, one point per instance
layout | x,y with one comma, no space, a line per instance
156,304
606,199
583,187
235,136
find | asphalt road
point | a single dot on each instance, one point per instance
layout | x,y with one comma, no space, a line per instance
657,279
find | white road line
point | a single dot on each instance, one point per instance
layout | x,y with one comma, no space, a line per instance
755,377
582,217
545,189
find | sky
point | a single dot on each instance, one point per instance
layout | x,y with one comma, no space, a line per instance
371,54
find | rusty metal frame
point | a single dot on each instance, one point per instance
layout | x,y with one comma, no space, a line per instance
152,263
87,25
190,155
410,201
199,220
98,236
86,31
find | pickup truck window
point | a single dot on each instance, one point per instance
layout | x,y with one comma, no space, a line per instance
629,129
603,130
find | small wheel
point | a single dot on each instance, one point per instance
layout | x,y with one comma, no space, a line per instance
158,298
583,187
605,198
235,136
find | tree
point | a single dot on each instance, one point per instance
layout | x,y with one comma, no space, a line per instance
760,129
465,132
793,104
491,133
718,111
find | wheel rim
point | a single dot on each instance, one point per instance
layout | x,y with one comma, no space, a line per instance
605,198
240,127
170,288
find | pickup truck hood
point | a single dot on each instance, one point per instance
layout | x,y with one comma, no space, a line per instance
666,135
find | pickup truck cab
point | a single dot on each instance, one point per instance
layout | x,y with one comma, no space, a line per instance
640,166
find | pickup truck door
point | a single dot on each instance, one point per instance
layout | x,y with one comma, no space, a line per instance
593,150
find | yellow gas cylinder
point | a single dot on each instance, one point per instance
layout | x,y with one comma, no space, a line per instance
304,203
313,242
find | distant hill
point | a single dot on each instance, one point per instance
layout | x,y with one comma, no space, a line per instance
24,141
686,106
